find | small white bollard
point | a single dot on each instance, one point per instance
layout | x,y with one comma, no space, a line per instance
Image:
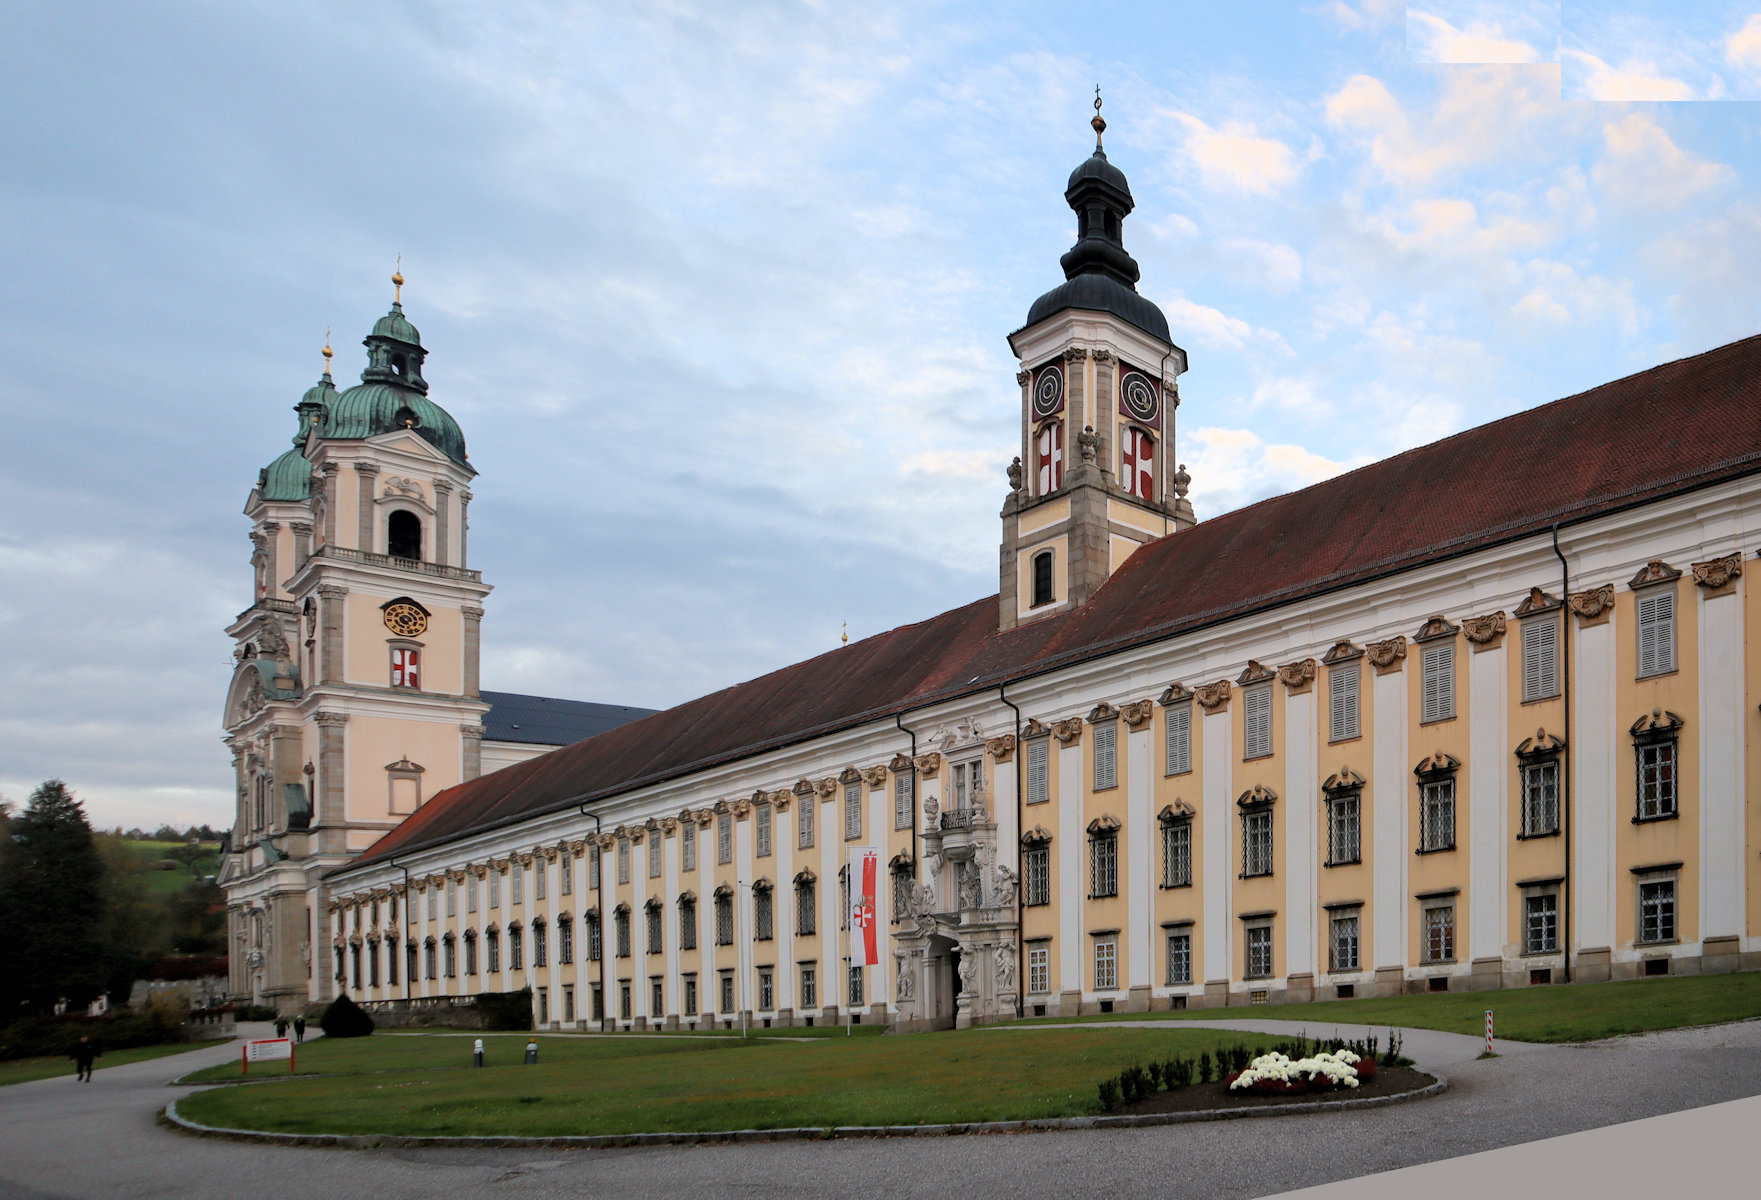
477,1053
1488,1031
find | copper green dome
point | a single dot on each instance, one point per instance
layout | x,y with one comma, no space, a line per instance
287,478
397,327
372,408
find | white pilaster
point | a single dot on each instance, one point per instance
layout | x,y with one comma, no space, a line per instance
669,920
782,841
745,982
1071,882
1217,822
1722,798
1593,748
1389,783
1301,817
830,831
1489,772
1141,884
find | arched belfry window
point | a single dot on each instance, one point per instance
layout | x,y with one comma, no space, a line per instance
1042,578
403,534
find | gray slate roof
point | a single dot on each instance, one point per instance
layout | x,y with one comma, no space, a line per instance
547,721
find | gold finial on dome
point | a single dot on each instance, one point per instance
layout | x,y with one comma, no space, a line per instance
846,633
327,351
1100,126
397,278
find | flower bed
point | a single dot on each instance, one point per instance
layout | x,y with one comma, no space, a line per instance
1278,1074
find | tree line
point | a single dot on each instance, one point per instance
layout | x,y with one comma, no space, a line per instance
82,914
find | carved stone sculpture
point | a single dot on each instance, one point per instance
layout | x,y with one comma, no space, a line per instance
1005,968
1003,888
1088,442
968,971
971,887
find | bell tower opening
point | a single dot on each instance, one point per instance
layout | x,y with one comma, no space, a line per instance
403,534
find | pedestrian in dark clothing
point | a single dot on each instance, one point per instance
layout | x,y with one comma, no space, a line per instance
83,1053
299,1028
280,1027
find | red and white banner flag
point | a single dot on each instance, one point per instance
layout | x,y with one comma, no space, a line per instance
864,912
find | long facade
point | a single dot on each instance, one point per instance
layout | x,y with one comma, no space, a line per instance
1424,727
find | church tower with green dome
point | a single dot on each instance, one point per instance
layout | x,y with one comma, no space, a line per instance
355,694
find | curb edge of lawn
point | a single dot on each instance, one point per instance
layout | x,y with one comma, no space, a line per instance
347,1141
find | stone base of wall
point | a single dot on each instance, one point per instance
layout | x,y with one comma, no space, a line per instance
437,1011
1593,965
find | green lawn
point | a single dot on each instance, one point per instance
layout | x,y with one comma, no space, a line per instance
23,1070
423,1085
1575,1013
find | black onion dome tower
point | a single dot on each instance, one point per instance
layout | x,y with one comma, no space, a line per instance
1097,477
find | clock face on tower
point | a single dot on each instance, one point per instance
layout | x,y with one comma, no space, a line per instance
405,619
1138,398
1048,392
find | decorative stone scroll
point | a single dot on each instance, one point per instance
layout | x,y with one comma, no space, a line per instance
928,764
827,788
1387,656
1657,724
1105,823
1102,712
1343,780
1035,728
1655,571
1180,810
1137,714
1484,633
1075,353
1542,745
1537,601
874,777
1001,749
1212,697
1174,693
1436,627
849,775
900,763
1257,796
1297,676
1718,575
1039,835
1592,607
1068,731
779,799
1437,763
1022,376
1255,672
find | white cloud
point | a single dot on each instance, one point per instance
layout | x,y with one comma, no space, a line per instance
1743,48
1645,169
1236,157
1558,295
1363,14
1594,79
1207,326
1430,38
1233,467
1273,265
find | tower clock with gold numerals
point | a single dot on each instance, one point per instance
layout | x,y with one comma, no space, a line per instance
406,618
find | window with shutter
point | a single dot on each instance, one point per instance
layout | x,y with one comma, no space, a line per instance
1039,759
1342,702
902,799
852,810
1656,633
1437,675
1106,743
1256,707
761,830
1178,737
804,821
1540,659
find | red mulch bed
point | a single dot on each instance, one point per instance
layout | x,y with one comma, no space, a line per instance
1389,1081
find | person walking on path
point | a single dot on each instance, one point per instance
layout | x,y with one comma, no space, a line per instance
84,1052
280,1027
299,1028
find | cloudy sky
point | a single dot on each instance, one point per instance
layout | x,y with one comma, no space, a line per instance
720,293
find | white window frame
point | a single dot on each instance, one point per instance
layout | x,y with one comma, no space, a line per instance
1437,681
1103,864
1036,875
1177,852
688,845
1039,968
1177,738
1258,850
1541,922
1654,614
623,860
1540,797
903,798
1177,956
853,810
1106,963
804,820
1344,828
761,829
1343,691
654,849
1659,779
1658,908
1437,814
809,986
1039,770
1106,754
724,838
1256,721
1437,919
1540,658
1345,940
1257,950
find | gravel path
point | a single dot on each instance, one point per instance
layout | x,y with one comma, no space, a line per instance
59,1138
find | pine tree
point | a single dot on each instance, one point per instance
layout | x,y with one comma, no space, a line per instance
52,913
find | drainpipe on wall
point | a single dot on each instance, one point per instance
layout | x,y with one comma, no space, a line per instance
1020,820
401,941
599,900
898,720
1565,753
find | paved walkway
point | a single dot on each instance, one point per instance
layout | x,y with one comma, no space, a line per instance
60,1138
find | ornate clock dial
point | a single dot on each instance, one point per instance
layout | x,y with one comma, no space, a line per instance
1138,398
1048,392
405,620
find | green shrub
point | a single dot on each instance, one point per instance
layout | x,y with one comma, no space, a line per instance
1206,1072
506,1010
345,1019
1109,1089
1181,1075
1154,1071
254,1012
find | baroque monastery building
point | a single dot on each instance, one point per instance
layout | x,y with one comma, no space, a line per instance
1479,715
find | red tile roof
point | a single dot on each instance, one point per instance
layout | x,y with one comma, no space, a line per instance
1673,428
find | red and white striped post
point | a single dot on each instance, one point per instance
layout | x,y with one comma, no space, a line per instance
1488,1031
